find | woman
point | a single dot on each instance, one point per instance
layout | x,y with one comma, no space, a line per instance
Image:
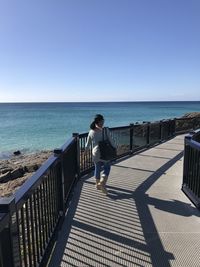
95,135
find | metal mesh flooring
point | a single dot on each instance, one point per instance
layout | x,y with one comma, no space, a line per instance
145,220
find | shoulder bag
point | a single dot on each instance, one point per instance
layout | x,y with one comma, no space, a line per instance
107,151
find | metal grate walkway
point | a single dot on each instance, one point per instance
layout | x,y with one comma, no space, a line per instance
146,220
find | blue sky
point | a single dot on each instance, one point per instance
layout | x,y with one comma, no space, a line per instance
99,50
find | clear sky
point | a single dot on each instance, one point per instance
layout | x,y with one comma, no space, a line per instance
99,50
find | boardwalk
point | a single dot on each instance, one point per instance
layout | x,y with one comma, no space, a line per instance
146,220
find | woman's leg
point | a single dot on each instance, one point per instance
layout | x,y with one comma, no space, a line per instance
106,168
104,177
97,172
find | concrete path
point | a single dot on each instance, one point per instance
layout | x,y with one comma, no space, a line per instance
146,220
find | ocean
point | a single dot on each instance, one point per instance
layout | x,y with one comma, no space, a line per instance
31,127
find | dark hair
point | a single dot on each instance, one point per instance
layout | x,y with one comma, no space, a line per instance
97,119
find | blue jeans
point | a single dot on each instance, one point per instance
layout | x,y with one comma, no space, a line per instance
98,166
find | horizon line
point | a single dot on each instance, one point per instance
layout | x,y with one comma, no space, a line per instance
122,101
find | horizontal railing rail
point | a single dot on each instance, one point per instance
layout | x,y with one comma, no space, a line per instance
191,169
30,219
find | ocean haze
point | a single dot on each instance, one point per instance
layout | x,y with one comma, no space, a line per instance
30,127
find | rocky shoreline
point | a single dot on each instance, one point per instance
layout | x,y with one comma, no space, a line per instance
191,115
16,170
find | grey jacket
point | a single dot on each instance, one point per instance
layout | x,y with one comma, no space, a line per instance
94,136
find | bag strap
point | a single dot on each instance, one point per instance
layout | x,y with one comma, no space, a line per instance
103,134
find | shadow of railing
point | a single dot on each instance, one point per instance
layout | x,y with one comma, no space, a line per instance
101,233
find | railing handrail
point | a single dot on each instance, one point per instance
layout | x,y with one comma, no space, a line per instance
111,128
120,127
193,143
67,144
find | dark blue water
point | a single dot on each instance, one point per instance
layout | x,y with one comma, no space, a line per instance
36,126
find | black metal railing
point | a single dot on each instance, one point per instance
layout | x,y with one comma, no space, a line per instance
30,219
130,139
191,170
37,208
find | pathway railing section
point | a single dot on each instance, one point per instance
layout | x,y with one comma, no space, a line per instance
134,137
191,170
30,219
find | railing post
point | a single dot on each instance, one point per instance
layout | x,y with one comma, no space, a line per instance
78,168
9,242
174,126
185,162
160,130
169,129
148,133
59,153
131,137
194,123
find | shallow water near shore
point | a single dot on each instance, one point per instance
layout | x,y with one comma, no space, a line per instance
31,127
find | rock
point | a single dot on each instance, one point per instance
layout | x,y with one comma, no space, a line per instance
19,172
31,168
191,115
16,170
5,177
6,170
7,189
16,153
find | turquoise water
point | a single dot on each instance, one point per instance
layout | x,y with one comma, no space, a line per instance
31,127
